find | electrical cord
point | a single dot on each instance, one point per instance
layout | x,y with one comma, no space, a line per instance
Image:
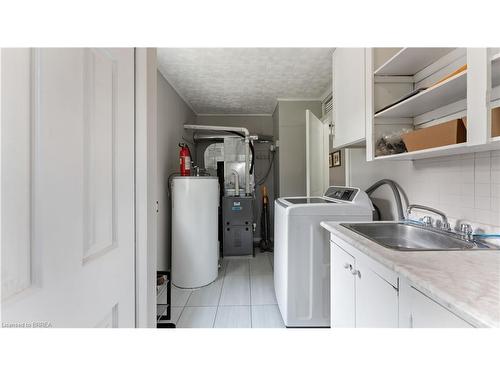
263,179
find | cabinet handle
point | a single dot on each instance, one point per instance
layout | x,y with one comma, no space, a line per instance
355,272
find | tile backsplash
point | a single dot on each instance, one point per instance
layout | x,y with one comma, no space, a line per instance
466,187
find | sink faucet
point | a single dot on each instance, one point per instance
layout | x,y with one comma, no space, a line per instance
445,225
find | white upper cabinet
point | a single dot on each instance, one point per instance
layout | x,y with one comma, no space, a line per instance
349,92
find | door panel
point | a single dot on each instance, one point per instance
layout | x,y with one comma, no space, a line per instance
81,183
376,300
316,155
425,313
343,289
349,93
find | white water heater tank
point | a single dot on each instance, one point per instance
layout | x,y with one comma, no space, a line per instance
195,246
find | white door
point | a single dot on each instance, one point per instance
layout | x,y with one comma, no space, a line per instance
343,308
67,199
317,147
376,300
349,92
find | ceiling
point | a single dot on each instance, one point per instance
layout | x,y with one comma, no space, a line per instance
245,80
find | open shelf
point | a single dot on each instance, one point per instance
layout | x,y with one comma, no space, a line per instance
456,149
427,153
444,93
409,61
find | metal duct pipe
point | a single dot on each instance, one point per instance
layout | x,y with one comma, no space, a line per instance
218,128
242,130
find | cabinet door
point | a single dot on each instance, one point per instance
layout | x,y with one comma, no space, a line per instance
342,289
349,92
426,313
376,300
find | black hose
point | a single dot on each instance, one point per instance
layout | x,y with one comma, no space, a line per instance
377,215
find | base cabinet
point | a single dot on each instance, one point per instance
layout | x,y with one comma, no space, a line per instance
426,313
343,294
365,293
376,300
360,296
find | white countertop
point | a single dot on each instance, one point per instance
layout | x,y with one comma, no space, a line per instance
465,282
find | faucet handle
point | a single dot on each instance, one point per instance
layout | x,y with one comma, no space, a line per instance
446,226
466,228
427,220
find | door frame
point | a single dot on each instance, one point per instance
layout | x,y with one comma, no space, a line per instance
145,187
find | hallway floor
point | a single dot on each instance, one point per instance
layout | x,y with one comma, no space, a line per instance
241,297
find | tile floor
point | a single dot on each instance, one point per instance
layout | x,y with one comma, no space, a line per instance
241,297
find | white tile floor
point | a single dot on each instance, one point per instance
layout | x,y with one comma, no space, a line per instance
241,297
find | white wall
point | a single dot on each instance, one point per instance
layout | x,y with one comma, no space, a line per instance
466,187
173,113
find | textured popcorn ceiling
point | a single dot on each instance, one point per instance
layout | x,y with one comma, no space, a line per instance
245,80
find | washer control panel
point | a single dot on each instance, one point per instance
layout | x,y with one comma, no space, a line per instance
341,193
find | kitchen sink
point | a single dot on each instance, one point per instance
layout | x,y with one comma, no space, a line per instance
405,236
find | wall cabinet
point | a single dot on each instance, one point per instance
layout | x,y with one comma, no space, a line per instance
349,88
360,296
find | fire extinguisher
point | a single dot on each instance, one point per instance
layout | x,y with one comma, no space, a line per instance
185,159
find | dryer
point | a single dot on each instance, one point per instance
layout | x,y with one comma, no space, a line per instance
302,251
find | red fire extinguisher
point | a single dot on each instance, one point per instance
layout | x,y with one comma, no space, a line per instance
185,159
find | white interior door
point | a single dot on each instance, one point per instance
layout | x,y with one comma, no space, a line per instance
317,147
67,201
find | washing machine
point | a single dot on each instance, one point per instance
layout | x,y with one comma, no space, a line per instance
302,251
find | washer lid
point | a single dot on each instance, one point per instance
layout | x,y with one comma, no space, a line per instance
307,200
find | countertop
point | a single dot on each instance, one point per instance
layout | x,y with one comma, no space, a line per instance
465,282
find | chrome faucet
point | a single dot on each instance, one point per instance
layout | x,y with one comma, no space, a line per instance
445,225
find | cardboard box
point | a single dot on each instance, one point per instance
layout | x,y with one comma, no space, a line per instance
495,122
447,133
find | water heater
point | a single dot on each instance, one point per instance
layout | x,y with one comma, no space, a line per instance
195,247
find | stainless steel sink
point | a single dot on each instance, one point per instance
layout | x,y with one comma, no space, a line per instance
404,236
